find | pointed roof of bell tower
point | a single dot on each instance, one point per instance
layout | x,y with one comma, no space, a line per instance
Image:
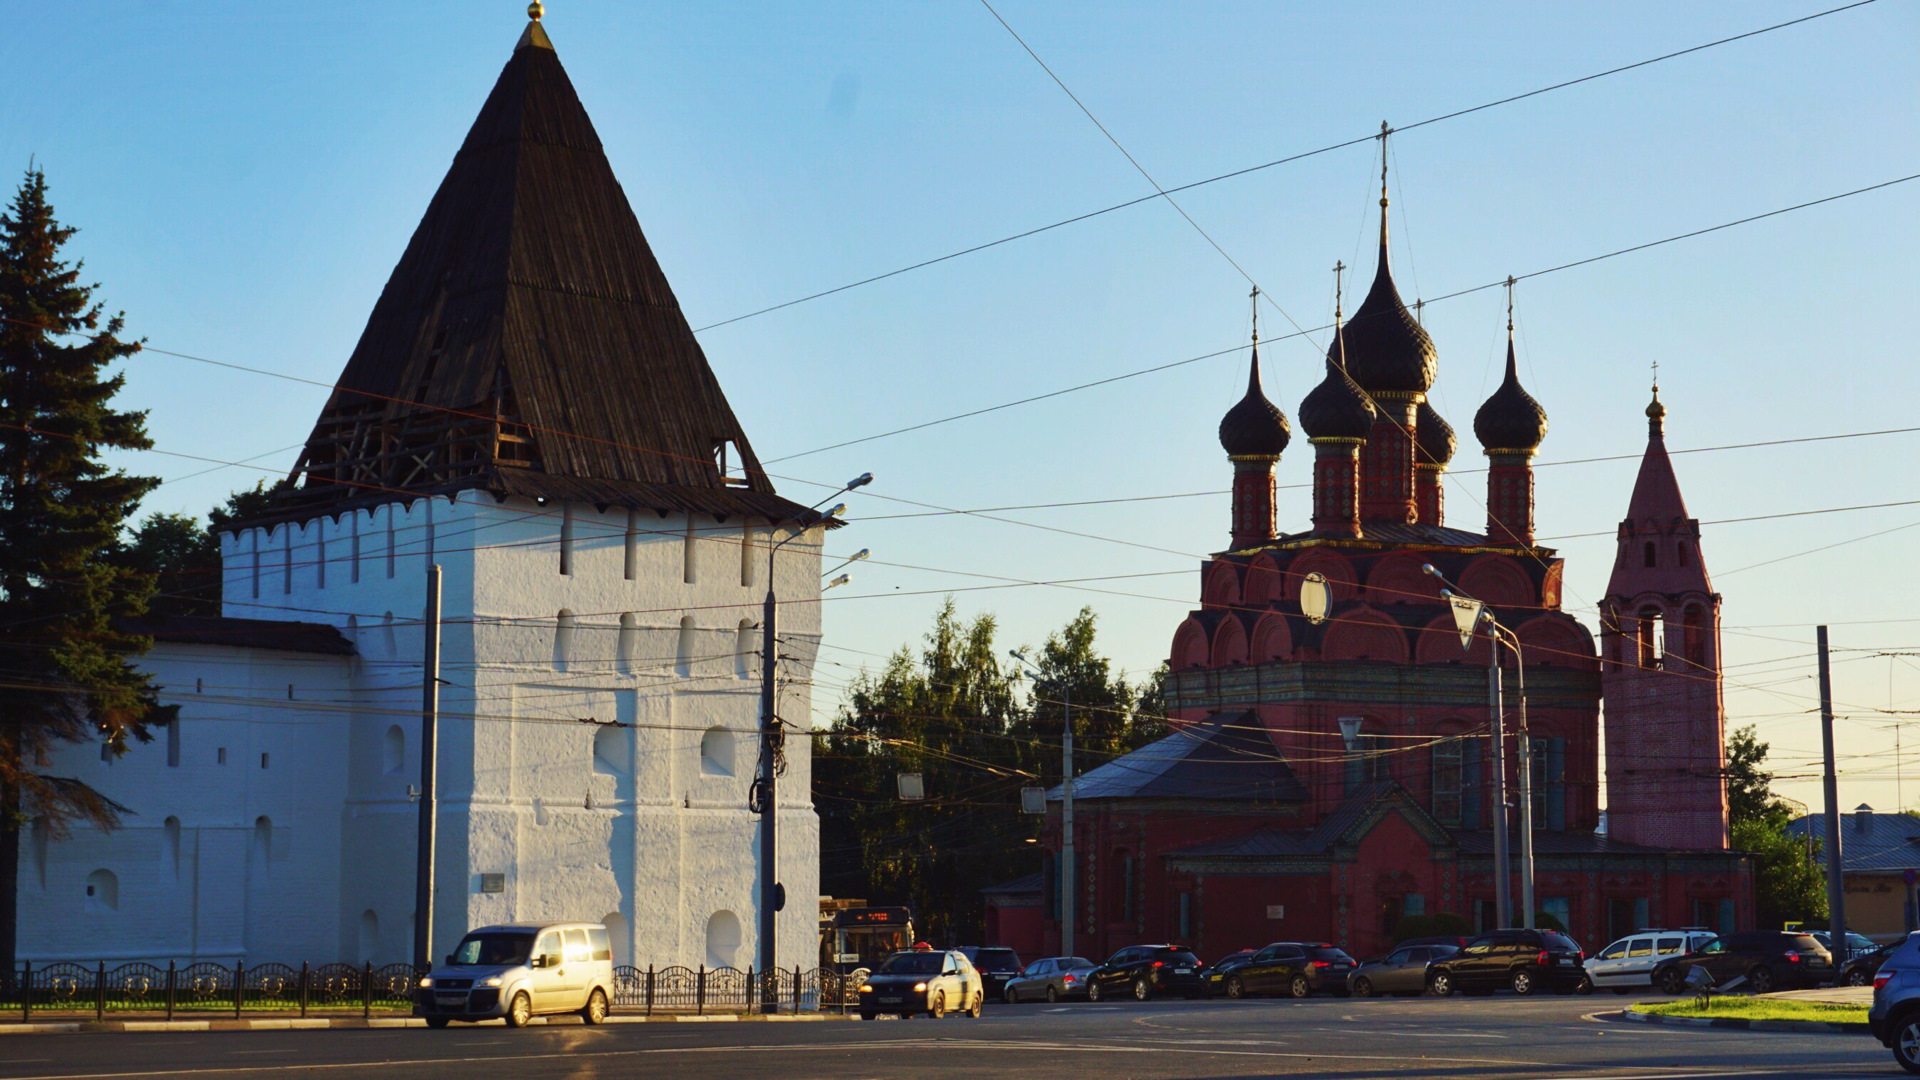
527,341
1656,491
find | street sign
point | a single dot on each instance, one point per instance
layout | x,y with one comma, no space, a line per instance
1033,800
1349,730
1315,598
912,789
1466,616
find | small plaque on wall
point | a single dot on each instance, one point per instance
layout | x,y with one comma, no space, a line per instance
1276,911
493,883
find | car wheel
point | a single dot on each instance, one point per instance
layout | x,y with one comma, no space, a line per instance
1522,982
1906,1043
1584,986
519,1010
1362,988
1859,977
1441,984
1673,981
1093,990
1053,995
1761,979
979,1005
1009,996
596,1010
1235,988
1142,989
938,1009
437,1022
1300,987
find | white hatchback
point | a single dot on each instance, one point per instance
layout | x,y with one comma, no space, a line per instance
1627,964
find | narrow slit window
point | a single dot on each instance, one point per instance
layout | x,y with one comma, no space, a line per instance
746,554
1647,554
689,558
633,545
566,539
353,547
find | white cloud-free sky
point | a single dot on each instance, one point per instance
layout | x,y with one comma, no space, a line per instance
246,174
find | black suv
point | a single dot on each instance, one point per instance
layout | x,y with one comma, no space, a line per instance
1768,959
1524,961
995,964
1298,969
1144,971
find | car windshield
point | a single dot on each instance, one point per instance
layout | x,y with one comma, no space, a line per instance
996,960
1804,942
912,963
1176,955
1560,942
491,950
1323,952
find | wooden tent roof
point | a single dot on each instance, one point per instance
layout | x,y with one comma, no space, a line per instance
528,329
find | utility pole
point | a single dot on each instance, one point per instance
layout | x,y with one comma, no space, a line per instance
1525,744
1836,892
769,806
1066,821
429,751
1502,862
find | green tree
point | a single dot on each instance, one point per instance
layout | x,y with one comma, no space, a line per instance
184,555
949,711
65,675
1789,883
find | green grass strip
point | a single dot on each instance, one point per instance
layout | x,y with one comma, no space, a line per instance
1747,1008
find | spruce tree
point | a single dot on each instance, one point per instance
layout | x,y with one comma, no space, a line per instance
65,675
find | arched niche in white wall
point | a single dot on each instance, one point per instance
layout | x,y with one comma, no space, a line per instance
716,752
393,750
612,750
723,939
103,892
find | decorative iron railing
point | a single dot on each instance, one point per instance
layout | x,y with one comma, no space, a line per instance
210,990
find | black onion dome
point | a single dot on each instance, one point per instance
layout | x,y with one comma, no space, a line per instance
1433,437
1510,419
1387,349
1255,427
1337,408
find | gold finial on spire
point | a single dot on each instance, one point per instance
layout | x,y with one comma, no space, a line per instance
535,10
1338,291
1254,296
1510,283
1385,130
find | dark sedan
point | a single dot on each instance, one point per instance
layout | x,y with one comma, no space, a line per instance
1524,961
1298,969
1402,971
1766,960
1146,971
1055,978
1861,969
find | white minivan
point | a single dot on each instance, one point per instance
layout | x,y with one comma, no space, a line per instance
1627,964
518,971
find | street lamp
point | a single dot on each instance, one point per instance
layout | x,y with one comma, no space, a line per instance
763,800
1468,614
1066,805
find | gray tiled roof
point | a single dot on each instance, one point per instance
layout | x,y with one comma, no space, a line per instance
1869,842
1227,757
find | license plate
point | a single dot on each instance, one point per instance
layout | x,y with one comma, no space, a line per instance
889,1001
1183,971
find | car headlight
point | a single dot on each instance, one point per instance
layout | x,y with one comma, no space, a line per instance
865,989
919,988
495,981
426,982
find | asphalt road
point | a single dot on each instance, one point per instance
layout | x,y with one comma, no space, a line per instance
1503,1037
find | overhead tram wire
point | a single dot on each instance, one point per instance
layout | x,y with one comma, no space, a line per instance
1691,234
1362,140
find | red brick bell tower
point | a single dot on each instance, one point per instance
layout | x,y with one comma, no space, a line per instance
1660,672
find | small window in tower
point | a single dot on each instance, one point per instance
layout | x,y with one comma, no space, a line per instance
1683,554
727,458
1647,636
1649,557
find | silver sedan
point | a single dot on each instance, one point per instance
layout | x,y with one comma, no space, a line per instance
1402,971
1052,979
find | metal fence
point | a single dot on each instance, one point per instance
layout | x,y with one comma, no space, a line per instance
210,990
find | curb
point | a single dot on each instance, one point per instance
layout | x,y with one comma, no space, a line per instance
1826,1027
355,1023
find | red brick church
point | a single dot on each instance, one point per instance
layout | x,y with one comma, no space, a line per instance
1266,818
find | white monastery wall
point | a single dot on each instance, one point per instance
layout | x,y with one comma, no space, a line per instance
599,731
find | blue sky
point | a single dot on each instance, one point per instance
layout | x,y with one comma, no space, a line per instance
246,174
